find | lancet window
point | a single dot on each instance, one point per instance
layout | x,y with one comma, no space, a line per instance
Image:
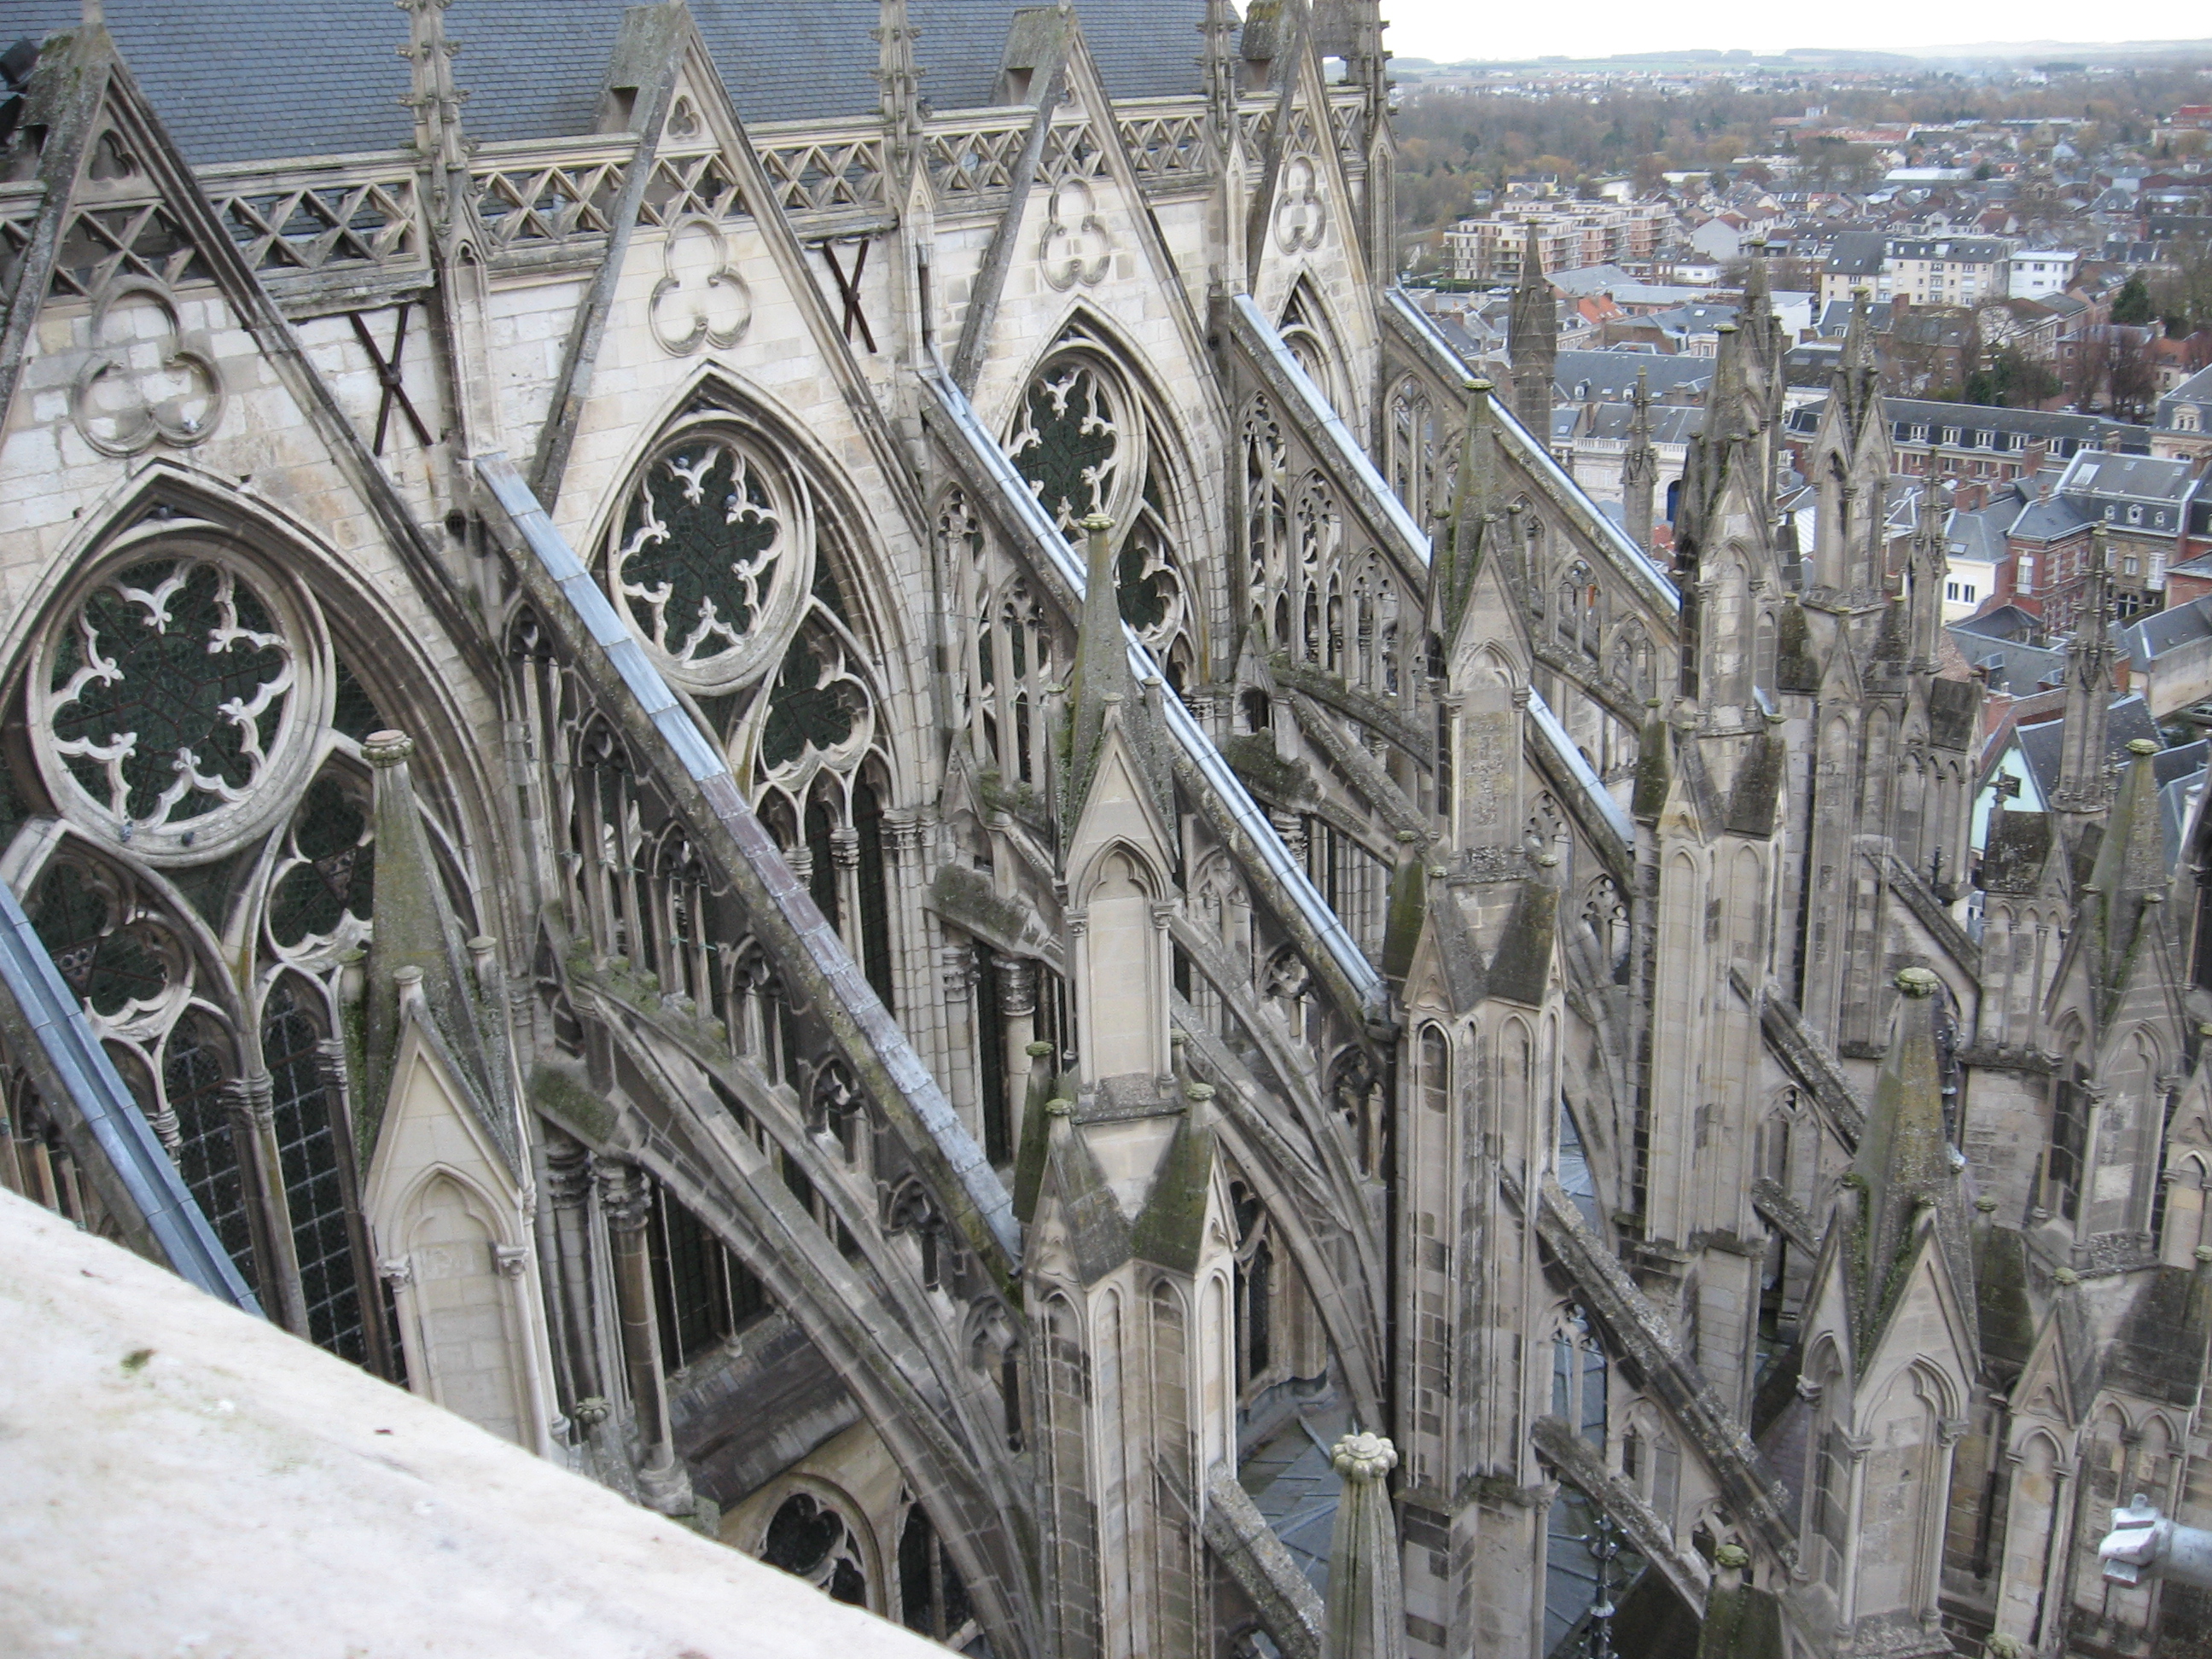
1412,439
1089,442
1011,655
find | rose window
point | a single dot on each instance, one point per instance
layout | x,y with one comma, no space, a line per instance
711,559
169,693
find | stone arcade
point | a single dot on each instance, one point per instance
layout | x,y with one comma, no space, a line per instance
810,754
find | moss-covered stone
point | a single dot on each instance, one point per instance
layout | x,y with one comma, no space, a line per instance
1171,1228
1741,1623
966,896
1653,776
1522,964
1796,666
1758,787
1401,934
1270,776
563,1098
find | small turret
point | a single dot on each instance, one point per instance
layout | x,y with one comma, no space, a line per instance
1639,467
1905,1161
1535,340
2084,786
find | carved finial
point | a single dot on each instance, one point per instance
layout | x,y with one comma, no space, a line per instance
383,749
1364,1456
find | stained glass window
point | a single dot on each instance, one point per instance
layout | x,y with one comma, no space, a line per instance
703,1294
206,1156
815,704
104,958
167,689
875,899
335,876
314,1186
812,1539
711,554
1069,445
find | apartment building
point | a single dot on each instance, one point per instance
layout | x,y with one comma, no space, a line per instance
1568,235
1953,270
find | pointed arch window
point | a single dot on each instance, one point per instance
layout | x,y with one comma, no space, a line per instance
195,730
316,1171
1088,441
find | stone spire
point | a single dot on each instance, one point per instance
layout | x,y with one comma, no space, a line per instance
2083,786
1103,693
1366,1612
2129,877
1905,1160
415,956
1857,382
899,77
1639,468
433,96
1219,62
1365,62
1478,513
1535,339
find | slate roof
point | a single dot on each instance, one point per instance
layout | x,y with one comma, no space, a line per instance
2132,478
2151,637
1610,376
2063,433
1978,536
2048,520
1587,280
2006,621
1857,253
2196,389
1671,423
2042,745
260,80
2015,669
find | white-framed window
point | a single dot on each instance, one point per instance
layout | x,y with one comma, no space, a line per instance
2026,579
1919,434
1951,592
2131,566
1951,435
1967,593
2016,441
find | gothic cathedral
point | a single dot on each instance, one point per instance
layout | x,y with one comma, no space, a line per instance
814,756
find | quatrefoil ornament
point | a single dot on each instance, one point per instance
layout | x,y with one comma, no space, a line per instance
144,379
699,301
1075,249
1301,215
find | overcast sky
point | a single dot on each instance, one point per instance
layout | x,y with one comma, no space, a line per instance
1451,29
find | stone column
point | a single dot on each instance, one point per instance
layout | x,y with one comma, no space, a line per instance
956,984
568,1186
1018,1001
845,856
626,1202
1365,1618
251,1103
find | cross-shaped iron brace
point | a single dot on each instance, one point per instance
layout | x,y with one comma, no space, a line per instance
849,288
387,376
